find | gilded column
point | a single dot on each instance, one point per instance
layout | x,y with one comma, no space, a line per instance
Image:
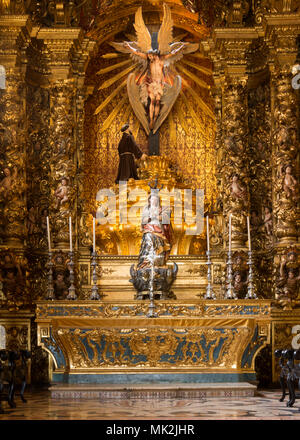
62,162
235,161
281,31
216,230
80,58
83,211
285,150
14,37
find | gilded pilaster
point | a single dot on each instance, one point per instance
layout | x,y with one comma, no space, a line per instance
229,51
280,34
67,53
62,112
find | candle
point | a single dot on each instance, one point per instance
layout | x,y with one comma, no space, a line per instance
94,234
229,232
207,232
248,227
70,228
48,232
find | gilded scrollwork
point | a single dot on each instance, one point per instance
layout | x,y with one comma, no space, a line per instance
14,278
117,310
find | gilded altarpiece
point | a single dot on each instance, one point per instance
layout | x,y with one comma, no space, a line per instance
232,132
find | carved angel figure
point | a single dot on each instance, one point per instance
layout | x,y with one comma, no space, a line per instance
8,181
288,282
237,189
155,84
62,193
289,182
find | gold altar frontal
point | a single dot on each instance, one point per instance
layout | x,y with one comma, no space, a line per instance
188,342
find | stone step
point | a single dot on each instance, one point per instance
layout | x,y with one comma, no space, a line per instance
155,391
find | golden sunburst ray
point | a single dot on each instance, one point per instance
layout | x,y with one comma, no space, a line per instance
180,37
172,130
202,69
112,55
110,97
113,114
191,75
113,67
136,127
115,78
126,114
180,114
207,110
198,55
192,112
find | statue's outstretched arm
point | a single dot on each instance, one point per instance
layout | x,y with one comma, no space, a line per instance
134,51
174,51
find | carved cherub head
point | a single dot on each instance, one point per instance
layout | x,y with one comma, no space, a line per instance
287,169
7,259
64,181
7,171
268,210
292,257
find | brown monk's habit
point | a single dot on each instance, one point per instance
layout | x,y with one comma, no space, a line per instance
128,150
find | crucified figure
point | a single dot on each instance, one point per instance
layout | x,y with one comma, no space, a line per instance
154,78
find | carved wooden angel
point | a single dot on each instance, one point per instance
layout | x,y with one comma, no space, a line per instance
154,87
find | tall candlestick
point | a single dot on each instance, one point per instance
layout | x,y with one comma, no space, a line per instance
207,232
94,234
48,232
229,232
70,228
248,227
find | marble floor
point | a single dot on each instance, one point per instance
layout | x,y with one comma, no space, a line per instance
264,405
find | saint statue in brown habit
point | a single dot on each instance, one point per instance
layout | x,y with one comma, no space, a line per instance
128,152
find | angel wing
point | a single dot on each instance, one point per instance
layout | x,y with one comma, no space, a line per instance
123,49
179,49
165,34
135,101
168,99
143,35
